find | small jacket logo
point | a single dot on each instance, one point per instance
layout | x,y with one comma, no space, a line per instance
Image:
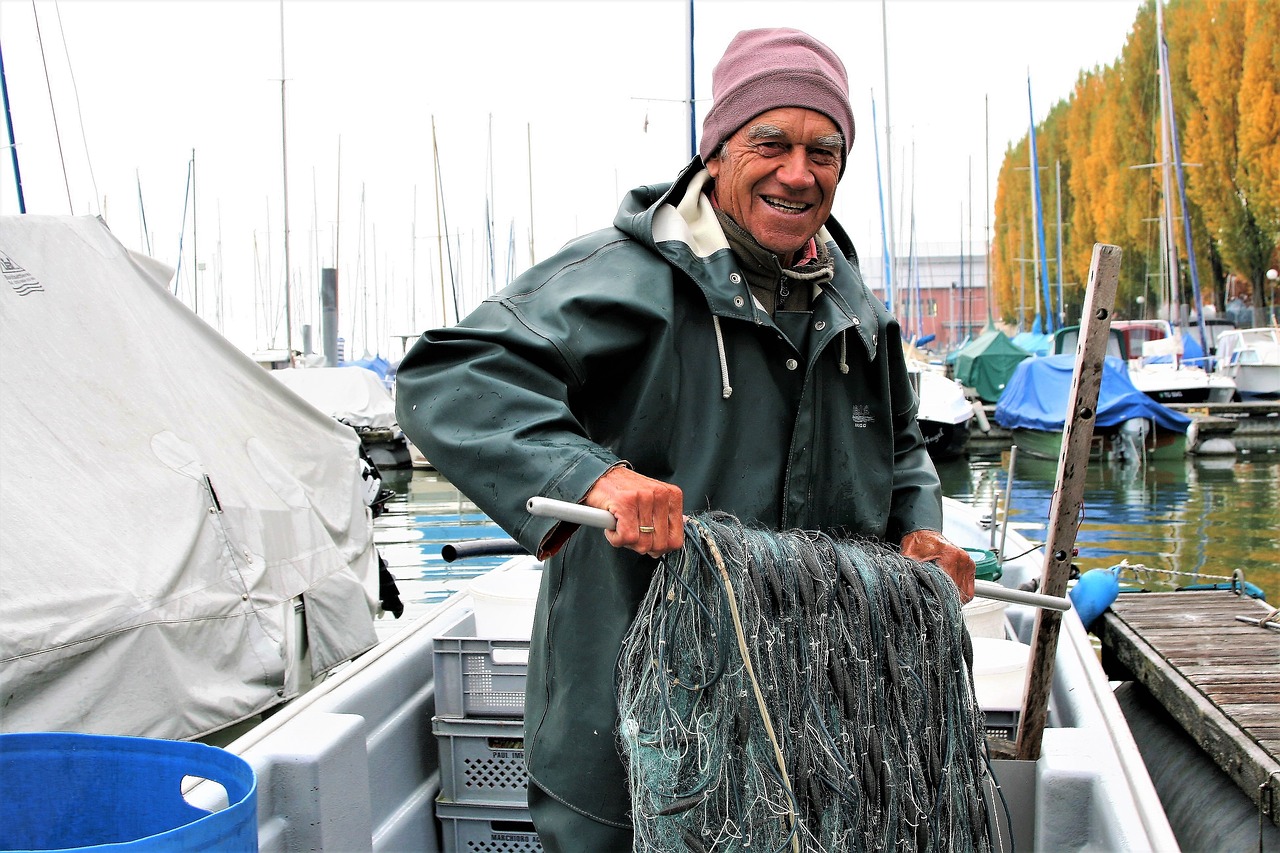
862,416
22,282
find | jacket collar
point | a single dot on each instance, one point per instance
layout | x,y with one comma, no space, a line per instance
678,222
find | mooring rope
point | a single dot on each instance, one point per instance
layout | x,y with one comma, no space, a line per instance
793,691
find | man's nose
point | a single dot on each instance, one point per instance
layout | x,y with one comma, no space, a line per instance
795,171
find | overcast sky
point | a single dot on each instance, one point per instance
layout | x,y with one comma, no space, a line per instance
591,95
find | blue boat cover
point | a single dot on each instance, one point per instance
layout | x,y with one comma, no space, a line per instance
1036,343
1037,393
376,363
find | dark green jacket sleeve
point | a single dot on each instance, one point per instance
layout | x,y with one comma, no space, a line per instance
487,402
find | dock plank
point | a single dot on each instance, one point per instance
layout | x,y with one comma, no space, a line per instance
1217,676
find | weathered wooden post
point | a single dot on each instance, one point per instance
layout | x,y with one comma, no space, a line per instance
1068,492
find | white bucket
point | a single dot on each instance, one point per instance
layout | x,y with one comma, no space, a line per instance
999,672
984,617
504,602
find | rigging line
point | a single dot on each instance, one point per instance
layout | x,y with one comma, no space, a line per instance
186,197
79,113
453,283
142,212
49,88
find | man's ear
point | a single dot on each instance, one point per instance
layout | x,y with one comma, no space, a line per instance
713,166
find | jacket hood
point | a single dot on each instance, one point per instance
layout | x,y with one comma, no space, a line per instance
676,220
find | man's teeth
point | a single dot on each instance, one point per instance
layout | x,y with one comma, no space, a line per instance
782,204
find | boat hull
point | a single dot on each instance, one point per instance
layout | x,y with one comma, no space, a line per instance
945,441
354,766
1256,382
1043,444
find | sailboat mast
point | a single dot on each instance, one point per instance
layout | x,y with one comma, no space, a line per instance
528,142
195,243
693,108
1166,177
435,156
1042,270
284,169
888,153
13,144
884,227
986,209
1062,308
413,262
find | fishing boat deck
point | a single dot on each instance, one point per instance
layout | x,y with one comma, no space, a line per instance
1218,676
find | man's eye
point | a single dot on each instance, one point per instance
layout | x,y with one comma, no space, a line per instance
771,148
824,158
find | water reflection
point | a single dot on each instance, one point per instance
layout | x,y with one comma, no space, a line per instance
426,513
1195,520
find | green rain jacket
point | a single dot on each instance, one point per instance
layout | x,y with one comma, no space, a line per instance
642,343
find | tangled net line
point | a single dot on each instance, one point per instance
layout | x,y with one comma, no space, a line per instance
791,691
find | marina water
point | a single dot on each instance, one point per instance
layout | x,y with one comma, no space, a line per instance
1193,520
1190,521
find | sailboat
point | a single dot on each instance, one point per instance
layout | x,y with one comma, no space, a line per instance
1159,351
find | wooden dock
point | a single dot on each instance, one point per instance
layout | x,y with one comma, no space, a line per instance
1217,676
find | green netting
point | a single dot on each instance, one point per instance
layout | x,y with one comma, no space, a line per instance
790,691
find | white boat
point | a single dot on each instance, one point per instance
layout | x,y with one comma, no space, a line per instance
186,543
356,397
354,765
944,414
1251,359
1161,369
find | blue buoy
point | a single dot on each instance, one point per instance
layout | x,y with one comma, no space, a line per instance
1094,593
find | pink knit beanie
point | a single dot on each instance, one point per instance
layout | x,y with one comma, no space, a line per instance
765,69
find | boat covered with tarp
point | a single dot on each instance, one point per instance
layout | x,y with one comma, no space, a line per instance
1034,406
986,363
187,542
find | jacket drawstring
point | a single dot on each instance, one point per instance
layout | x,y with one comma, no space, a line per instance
726,390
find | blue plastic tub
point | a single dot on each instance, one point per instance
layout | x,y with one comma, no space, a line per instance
61,791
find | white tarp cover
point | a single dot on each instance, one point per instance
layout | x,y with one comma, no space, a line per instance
352,394
163,503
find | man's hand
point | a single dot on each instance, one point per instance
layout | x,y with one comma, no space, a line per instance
927,545
650,513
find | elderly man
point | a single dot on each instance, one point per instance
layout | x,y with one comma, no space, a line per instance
715,349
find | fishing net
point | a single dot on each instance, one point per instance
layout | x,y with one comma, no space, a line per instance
790,691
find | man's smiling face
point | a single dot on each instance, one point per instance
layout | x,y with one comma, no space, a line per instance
777,177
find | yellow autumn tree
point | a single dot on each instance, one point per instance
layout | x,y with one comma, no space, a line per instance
1259,105
1207,43
1224,64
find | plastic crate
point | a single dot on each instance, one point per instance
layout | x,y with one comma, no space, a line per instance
478,676
1000,723
486,829
482,761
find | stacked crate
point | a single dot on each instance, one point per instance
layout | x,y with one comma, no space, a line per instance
479,726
